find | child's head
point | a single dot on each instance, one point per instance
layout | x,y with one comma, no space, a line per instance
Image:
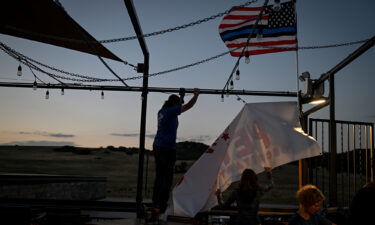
249,180
310,198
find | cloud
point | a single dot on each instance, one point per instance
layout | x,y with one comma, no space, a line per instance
200,138
151,136
40,143
59,135
125,135
46,134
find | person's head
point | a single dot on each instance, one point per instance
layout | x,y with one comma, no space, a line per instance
172,101
249,180
310,198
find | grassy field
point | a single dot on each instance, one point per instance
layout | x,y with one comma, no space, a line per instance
120,169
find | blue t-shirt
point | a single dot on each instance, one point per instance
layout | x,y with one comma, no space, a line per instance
315,219
167,127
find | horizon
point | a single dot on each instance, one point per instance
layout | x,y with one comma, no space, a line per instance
81,118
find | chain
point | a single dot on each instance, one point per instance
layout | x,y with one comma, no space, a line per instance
178,27
333,45
204,20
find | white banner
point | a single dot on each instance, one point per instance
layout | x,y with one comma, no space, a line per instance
261,135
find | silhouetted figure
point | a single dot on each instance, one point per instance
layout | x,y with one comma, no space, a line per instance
247,197
164,147
362,207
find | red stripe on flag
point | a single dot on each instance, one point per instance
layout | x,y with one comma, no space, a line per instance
246,9
262,51
239,17
224,25
265,43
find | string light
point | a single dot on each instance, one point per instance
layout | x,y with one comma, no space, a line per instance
62,91
231,86
222,97
47,94
12,52
277,6
102,94
227,93
19,71
35,85
247,58
237,74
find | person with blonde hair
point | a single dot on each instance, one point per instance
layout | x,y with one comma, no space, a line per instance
310,199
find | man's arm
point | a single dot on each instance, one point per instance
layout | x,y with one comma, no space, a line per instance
192,101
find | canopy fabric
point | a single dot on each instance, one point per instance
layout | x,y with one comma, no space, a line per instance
45,21
261,135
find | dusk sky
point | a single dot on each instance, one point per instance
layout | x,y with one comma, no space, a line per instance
82,118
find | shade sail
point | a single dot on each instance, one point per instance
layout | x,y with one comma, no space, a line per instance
45,21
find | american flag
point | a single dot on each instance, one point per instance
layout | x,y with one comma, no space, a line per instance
278,30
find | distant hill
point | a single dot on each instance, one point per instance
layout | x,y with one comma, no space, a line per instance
189,150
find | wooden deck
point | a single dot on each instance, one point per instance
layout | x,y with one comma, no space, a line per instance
131,222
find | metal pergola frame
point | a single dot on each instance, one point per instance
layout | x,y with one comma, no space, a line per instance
144,68
330,76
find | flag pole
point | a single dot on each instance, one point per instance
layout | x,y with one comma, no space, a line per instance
302,163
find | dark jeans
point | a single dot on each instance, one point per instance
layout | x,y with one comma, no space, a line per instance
165,160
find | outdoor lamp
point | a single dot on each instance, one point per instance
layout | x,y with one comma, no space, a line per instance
19,71
237,74
62,91
317,101
304,76
247,58
102,94
47,94
35,86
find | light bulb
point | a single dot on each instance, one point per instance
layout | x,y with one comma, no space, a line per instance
227,93
231,86
237,74
102,94
222,97
35,85
47,94
277,6
62,91
19,70
247,58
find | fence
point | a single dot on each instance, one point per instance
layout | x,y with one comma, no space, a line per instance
354,158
